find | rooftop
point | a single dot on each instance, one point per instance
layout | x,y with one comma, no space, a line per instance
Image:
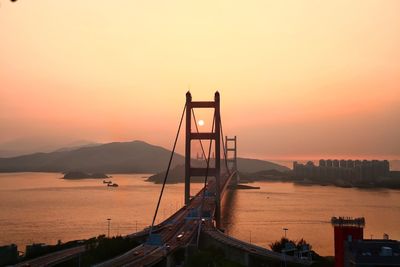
348,221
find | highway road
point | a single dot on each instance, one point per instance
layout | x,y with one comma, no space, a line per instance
175,232
251,248
53,258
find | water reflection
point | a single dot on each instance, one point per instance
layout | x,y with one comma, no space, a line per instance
41,207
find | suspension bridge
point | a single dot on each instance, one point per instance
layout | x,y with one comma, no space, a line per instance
198,223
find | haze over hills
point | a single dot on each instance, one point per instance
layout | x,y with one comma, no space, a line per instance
74,147
29,145
116,157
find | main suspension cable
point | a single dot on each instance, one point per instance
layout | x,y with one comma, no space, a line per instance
167,172
225,148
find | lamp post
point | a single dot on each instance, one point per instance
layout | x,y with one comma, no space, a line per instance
109,223
285,229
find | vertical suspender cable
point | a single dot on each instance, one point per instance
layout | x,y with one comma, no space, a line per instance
205,184
197,129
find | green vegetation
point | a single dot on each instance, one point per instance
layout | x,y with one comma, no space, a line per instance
284,243
320,261
37,250
101,248
210,257
279,245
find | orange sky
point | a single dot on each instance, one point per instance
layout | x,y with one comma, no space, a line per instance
297,78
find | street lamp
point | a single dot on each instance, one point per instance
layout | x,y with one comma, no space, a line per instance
285,229
109,223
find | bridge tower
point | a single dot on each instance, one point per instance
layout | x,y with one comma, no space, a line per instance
213,135
231,146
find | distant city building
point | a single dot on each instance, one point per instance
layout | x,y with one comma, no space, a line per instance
350,163
329,163
336,163
343,163
345,169
351,250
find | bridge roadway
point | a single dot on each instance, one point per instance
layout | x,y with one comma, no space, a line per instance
251,249
148,255
54,258
57,257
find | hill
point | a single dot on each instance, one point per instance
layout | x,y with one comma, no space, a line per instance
256,165
117,157
245,166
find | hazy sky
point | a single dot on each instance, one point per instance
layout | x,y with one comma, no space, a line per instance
297,78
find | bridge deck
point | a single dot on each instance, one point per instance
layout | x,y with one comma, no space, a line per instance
53,258
251,248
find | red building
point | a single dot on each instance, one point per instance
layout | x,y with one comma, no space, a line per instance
346,229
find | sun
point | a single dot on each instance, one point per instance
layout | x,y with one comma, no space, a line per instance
200,122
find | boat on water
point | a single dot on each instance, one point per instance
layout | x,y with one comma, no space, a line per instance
113,185
107,182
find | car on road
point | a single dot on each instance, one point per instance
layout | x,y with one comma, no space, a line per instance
180,236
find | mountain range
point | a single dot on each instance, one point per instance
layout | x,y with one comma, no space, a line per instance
116,157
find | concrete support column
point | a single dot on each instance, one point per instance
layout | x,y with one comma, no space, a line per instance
247,259
170,261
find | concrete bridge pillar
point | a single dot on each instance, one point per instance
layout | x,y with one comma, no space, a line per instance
170,261
247,259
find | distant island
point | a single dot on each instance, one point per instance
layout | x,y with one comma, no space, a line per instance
84,175
177,174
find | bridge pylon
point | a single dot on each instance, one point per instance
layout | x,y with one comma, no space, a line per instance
213,135
231,147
